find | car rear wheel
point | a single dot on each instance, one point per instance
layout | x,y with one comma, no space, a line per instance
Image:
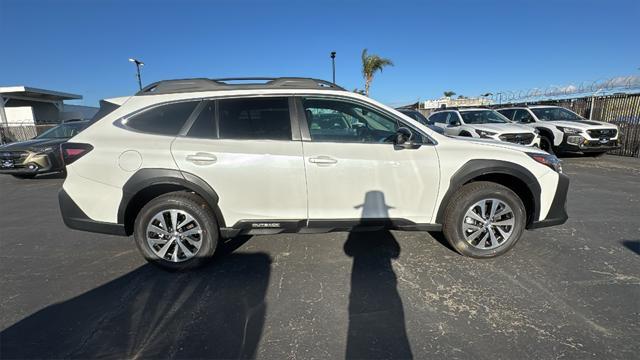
484,220
176,231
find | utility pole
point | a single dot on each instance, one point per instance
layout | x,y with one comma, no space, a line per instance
138,65
333,65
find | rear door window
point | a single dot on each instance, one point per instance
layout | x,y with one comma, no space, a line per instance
204,125
255,118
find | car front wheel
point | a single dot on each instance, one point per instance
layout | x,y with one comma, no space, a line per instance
176,231
546,144
484,220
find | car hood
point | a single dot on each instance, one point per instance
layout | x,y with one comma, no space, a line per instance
31,144
582,124
500,144
503,128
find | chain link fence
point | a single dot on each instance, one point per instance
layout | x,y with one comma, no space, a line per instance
13,133
621,109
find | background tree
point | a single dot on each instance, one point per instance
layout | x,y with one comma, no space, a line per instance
449,93
370,65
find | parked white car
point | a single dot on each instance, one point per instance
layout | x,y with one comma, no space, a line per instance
565,131
483,123
185,163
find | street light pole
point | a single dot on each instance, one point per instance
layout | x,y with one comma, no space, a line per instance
138,65
333,65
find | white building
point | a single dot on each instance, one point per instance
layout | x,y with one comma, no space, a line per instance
22,105
447,101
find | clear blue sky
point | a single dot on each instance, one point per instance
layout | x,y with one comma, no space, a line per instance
469,47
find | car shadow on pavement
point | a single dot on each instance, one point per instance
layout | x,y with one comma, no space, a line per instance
214,312
633,245
376,315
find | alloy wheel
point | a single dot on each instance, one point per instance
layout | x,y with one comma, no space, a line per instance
174,235
488,224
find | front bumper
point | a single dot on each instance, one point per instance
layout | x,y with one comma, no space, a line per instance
557,214
578,143
76,219
30,163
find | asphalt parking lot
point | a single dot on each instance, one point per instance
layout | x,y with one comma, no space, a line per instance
571,291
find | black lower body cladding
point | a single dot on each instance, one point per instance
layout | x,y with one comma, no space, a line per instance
557,213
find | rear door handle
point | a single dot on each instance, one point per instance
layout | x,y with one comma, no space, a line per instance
202,158
323,160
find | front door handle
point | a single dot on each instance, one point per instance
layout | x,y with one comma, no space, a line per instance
202,158
322,160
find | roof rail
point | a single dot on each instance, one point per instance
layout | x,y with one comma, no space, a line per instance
503,106
444,108
204,84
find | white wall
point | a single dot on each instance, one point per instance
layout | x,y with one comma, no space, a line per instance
20,115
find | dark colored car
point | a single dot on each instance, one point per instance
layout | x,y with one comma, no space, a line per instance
26,159
416,115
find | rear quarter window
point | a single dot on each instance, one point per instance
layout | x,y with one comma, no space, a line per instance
162,120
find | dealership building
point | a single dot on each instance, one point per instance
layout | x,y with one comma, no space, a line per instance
24,106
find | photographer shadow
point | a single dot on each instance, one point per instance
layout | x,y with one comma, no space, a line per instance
376,314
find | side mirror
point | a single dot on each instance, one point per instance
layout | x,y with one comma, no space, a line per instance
402,139
455,123
402,136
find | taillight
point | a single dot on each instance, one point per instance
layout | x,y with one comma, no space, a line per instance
74,151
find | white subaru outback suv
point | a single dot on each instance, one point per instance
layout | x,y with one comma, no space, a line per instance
483,123
186,163
563,130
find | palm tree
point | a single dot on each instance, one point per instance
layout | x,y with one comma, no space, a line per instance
449,93
371,64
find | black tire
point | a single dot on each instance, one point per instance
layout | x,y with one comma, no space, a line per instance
546,144
466,134
191,204
466,197
24,176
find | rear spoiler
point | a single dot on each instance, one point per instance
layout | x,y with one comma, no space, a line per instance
107,106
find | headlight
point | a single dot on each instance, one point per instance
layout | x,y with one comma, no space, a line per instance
568,130
549,160
485,134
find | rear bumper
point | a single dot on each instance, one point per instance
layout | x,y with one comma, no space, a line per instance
557,214
76,219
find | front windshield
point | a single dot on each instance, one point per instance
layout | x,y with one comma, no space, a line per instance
483,117
63,131
555,113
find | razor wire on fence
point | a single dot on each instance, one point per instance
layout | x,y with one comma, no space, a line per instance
618,84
